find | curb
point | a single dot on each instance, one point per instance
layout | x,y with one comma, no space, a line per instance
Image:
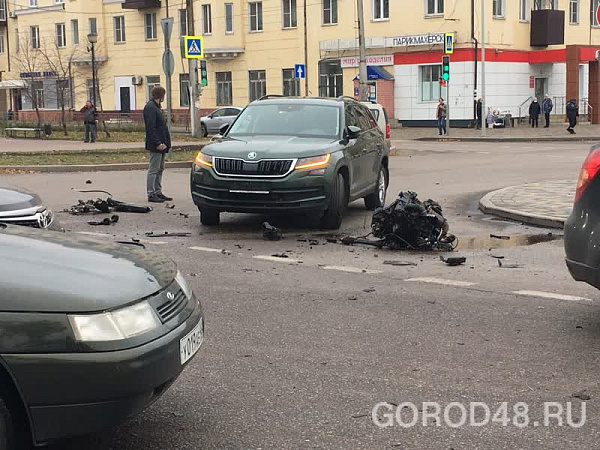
95,168
510,139
488,207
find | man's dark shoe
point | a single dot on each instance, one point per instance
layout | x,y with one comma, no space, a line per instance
164,197
155,199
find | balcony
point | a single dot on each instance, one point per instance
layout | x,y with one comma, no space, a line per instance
140,4
547,27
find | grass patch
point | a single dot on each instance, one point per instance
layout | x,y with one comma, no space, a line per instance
117,136
87,158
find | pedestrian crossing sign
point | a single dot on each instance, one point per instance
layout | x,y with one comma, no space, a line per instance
194,47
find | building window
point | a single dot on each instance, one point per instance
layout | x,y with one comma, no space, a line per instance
89,83
574,12
184,90
256,16
1,43
183,22
224,89
59,2
150,26
429,77
17,40
61,35
331,79
553,4
541,4
290,19
206,20
151,82
33,3
258,84
75,31
523,10
119,29
229,18
381,9
2,9
498,8
63,94
291,84
434,7
38,93
35,37
93,25
330,12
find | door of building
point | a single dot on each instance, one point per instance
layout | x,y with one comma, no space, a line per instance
541,88
125,94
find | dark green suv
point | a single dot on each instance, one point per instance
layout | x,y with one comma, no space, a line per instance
294,155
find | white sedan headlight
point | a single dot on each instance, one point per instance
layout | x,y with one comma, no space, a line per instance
115,325
183,284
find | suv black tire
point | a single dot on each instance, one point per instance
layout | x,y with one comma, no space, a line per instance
6,428
376,199
204,130
208,217
332,219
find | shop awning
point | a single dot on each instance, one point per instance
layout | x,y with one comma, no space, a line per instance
376,73
13,84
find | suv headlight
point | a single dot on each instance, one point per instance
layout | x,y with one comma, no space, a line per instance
116,325
315,162
183,284
203,160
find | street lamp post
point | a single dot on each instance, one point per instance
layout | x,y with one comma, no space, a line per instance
93,39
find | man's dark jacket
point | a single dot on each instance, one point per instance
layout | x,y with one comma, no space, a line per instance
157,131
534,110
572,111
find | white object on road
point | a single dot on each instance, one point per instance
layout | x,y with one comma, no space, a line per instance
542,294
350,269
441,281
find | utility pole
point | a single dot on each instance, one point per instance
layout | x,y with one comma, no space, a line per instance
305,53
483,107
193,70
362,50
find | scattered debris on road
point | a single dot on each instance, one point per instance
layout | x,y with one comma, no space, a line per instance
399,263
104,206
105,221
169,206
88,182
152,234
509,266
455,261
132,242
280,255
369,290
408,224
271,233
581,395
501,237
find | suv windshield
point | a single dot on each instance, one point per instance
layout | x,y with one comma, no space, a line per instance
288,119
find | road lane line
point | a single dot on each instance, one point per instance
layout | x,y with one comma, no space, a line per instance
350,269
276,259
91,233
207,249
550,295
441,281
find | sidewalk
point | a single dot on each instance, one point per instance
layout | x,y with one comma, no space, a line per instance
20,145
522,132
546,204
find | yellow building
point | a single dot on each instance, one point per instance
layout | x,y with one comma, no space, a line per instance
252,48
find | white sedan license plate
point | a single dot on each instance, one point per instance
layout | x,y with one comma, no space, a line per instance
189,345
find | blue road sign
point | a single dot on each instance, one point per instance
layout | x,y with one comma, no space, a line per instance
300,71
194,47
449,43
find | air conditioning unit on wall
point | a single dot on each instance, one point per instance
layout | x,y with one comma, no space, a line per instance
137,80
12,14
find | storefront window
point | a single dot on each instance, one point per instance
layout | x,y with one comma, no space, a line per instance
429,77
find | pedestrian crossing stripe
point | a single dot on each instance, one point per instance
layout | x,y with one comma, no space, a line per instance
194,47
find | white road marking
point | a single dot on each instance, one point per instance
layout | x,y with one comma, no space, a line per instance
146,241
91,233
207,249
441,281
350,269
484,153
276,259
551,295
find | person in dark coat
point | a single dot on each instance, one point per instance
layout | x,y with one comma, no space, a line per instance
441,116
479,108
90,116
158,143
572,114
534,113
547,107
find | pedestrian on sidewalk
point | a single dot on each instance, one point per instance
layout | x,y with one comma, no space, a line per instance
547,107
90,116
572,114
534,113
158,143
479,108
441,116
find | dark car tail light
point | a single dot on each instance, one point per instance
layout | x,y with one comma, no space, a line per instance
589,170
388,132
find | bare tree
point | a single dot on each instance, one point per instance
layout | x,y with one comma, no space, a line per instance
31,64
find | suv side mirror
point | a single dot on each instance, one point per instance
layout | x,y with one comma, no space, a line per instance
223,129
354,132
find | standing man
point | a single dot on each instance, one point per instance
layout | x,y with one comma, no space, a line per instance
534,113
479,112
547,107
572,114
158,143
89,121
441,117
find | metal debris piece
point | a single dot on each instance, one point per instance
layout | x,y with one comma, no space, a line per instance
280,255
128,207
332,240
455,261
187,216
399,263
369,290
509,266
498,236
132,242
105,206
105,221
169,206
88,182
581,395
271,233
169,234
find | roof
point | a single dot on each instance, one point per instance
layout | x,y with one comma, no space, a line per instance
13,84
324,101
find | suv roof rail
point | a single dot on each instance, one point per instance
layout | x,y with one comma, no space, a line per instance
346,97
268,96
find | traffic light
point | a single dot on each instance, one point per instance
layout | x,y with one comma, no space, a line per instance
446,68
203,73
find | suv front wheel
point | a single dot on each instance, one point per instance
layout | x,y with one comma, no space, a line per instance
332,219
377,198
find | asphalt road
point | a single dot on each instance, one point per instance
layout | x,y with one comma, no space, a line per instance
299,350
